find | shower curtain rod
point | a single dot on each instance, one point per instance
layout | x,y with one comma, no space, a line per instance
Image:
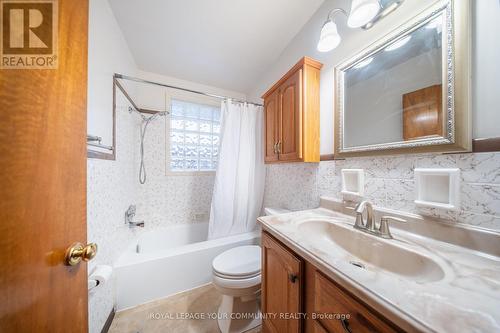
130,78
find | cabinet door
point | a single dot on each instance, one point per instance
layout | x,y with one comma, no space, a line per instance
290,135
281,287
337,311
271,109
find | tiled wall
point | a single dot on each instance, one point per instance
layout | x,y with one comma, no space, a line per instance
170,199
110,189
389,182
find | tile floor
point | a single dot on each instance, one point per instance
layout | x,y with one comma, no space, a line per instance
168,314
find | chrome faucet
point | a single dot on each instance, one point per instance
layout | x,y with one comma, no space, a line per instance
369,226
129,215
360,223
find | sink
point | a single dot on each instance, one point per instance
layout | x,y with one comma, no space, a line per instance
373,252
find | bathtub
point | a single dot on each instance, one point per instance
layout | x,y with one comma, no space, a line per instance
169,260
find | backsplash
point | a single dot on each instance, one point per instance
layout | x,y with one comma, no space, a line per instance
389,183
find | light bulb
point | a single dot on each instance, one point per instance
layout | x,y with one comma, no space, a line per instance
362,12
329,37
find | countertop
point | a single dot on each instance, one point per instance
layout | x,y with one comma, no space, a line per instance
466,299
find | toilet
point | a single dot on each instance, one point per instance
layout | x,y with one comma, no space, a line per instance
237,276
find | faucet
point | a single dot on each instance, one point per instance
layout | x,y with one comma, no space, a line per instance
383,230
360,223
129,214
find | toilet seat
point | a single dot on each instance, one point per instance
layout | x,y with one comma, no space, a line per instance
242,262
236,284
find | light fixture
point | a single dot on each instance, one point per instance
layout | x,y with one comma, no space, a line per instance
387,8
362,12
363,63
396,45
329,38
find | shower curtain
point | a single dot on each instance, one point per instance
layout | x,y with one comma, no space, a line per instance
239,181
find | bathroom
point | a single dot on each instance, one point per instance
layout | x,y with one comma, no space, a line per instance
250,166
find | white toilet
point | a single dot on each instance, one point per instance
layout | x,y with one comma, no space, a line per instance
236,275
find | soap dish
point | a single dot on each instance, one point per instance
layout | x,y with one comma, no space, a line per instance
353,182
438,188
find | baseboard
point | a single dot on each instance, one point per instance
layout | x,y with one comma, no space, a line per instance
108,322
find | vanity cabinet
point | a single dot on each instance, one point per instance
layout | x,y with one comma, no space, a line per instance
282,275
292,285
291,109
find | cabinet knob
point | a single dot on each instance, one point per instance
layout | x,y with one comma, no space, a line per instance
292,277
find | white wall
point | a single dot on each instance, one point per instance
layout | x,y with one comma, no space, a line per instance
108,54
486,72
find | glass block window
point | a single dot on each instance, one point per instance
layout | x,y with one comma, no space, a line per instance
194,136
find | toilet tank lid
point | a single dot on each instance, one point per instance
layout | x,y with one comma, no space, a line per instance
238,261
275,211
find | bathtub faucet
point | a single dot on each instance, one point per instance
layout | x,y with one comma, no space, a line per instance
129,215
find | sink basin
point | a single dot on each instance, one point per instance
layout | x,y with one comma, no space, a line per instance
372,251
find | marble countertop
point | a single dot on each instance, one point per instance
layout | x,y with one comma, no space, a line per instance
465,299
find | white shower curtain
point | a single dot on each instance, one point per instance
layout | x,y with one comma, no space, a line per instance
239,181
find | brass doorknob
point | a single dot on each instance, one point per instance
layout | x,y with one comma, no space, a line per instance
78,252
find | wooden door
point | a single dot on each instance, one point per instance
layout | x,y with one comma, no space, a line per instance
281,287
271,109
290,136
423,113
43,185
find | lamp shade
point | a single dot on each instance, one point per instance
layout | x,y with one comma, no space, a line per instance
329,37
362,12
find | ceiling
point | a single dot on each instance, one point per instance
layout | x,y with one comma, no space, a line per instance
223,43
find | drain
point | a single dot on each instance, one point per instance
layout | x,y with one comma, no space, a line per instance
357,264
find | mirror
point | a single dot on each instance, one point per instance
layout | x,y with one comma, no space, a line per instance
399,94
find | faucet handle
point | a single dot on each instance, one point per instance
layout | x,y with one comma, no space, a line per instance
384,230
359,223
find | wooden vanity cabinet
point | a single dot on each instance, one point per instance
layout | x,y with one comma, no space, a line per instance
282,275
291,109
329,308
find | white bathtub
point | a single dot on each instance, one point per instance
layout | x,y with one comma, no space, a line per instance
169,260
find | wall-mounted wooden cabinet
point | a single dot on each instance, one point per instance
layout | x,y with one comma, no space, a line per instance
292,115
292,286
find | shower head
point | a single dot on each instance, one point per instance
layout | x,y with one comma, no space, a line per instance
144,126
